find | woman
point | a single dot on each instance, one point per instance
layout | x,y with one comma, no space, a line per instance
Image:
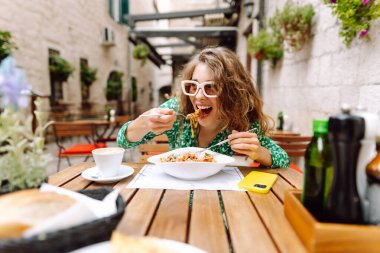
215,82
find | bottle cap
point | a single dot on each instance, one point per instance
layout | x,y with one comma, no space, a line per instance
320,126
280,113
346,127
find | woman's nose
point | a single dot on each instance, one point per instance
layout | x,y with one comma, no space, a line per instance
200,93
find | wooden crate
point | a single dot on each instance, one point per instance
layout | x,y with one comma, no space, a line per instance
328,237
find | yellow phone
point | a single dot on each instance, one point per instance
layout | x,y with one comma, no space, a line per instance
256,181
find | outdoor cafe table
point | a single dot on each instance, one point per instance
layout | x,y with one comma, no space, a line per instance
250,222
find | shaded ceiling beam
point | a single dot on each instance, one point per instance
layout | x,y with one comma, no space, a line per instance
192,42
171,45
177,55
200,32
132,19
153,56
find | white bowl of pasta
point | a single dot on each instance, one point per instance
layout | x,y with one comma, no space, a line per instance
191,164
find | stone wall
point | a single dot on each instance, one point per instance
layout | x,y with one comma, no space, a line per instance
315,81
74,28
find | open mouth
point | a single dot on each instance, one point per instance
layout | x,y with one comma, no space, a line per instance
206,110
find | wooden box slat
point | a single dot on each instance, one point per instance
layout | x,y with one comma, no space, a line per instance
329,237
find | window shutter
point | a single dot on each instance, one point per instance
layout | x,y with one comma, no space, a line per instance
124,10
110,8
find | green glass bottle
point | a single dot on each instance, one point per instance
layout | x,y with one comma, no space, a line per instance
318,170
280,121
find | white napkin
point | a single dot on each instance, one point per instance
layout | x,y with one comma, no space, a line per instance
241,161
151,176
86,209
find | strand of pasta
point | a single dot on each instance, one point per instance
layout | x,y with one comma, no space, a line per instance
193,117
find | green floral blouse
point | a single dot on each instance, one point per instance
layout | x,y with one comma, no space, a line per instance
180,136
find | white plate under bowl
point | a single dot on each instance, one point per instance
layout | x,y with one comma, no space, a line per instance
105,247
191,170
93,174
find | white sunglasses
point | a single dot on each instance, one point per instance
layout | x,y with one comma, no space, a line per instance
191,88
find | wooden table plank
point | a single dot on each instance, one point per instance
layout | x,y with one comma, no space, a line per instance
125,192
77,184
246,229
139,212
171,220
207,230
280,187
68,174
272,213
293,177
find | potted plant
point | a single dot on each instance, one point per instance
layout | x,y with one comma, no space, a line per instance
22,161
87,77
141,52
265,46
6,44
114,85
355,17
60,68
293,24
114,90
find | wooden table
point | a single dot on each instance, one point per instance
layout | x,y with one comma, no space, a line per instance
246,222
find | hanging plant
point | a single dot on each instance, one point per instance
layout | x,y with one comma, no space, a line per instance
141,52
265,46
60,68
292,24
355,16
6,44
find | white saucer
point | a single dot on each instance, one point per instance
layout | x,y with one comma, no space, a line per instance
93,174
104,247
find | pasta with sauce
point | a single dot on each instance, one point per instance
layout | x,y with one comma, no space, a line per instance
188,157
193,117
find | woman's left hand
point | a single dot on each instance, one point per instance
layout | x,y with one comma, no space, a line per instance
245,143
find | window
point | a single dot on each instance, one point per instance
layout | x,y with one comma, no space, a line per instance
55,84
85,90
118,8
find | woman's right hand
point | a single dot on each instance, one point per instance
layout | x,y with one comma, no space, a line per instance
160,124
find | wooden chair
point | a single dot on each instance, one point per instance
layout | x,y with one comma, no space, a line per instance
283,132
148,150
294,146
64,130
120,120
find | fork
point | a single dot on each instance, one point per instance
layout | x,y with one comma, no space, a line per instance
160,115
221,142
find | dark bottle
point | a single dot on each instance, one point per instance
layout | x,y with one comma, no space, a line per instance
318,170
373,177
280,121
345,133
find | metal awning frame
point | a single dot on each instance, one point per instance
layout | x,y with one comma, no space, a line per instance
132,19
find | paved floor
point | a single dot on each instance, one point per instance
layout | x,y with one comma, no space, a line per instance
131,155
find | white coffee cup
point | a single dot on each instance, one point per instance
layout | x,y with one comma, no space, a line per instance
108,160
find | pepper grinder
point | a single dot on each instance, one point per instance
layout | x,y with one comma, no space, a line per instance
345,133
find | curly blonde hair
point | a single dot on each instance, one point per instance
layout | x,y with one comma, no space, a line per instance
239,102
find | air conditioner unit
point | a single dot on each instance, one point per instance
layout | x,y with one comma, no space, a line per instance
108,37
